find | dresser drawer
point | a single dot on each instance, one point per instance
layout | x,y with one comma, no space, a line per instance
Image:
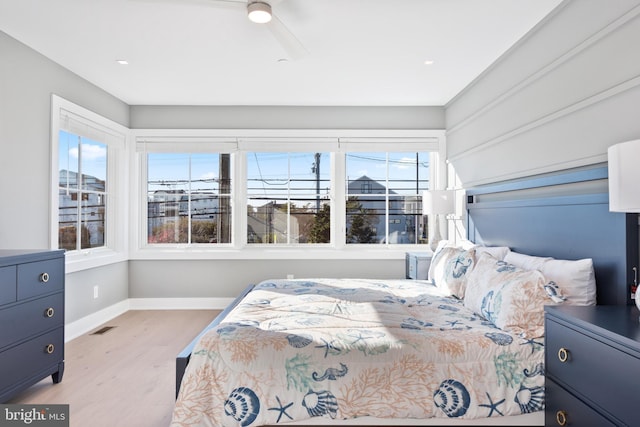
562,406
22,321
8,284
586,356
26,360
40,277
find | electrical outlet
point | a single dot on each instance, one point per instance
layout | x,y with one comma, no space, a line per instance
289,276
95,292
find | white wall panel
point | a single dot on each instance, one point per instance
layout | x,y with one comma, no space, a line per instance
564,114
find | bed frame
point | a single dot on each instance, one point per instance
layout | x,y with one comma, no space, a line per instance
563,215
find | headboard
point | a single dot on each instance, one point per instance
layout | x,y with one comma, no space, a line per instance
563,215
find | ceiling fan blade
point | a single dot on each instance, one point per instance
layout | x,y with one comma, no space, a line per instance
290,43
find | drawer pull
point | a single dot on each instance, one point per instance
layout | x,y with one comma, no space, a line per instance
563,354
49,349
44,277
561,418
49,312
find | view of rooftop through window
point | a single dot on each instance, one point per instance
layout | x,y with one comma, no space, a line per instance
81,192
289,196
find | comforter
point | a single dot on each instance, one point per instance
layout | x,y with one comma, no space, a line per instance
343,348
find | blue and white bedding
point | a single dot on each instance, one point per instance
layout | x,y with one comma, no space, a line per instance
344,348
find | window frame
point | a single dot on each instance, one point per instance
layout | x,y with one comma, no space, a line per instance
115,247
241,141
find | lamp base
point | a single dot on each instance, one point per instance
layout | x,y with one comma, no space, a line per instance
436,234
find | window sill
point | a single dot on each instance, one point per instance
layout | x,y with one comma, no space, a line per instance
285,253
88,259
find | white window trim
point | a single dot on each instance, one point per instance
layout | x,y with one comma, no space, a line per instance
276,140
116,248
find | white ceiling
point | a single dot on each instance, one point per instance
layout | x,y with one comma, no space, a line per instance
203,52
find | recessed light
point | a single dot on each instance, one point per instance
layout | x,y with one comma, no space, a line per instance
429,62
122,61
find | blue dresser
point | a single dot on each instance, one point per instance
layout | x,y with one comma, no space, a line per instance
592,358
31,318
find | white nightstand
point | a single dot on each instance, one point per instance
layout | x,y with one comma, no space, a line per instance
417,265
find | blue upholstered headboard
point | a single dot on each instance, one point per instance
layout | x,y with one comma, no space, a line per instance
562,215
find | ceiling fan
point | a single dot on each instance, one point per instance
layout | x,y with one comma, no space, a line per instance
260,12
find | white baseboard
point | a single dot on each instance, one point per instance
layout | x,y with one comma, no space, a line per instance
82,326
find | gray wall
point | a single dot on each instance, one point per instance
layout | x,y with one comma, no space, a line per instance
225,278
27,80
557,100
276,117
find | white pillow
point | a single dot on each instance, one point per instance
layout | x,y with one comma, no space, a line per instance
498,252
527,262
576,279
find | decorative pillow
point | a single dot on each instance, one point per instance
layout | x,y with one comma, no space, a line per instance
451,266
441,245
496,251
511,298
576,279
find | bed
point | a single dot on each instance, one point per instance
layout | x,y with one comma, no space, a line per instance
362,351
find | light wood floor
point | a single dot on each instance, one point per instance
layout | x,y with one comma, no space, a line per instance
125,377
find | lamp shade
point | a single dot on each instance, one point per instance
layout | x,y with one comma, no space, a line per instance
624,176
438,202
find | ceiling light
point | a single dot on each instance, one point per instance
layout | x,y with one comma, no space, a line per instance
259,12
429,62
122,61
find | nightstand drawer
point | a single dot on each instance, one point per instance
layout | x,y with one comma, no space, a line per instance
40,277
22,321
562,406
574,360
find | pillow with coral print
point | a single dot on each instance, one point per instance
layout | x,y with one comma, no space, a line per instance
450,268
511,298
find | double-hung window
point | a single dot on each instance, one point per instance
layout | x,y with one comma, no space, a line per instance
188,186
383,197
88,177
288,197
188,198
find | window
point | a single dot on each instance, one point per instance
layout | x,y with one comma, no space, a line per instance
256,193
383,197
288,198
82,192
89,195
188,198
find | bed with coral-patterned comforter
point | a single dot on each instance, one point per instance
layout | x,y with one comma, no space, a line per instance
345,348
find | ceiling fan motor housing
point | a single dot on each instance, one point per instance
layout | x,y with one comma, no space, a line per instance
259,12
